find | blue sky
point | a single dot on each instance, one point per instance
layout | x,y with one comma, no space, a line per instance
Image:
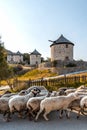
26,25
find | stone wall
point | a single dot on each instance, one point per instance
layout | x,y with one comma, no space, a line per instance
62,52
67,70
61,68
35,59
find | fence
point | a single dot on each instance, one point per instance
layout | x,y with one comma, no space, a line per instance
51,83
57,81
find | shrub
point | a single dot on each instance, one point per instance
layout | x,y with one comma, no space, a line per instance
54,63
17,69
71,65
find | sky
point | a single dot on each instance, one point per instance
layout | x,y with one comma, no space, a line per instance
26,25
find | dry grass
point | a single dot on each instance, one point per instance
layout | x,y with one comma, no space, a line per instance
36,74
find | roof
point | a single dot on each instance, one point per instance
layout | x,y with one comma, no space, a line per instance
13,53
19,53
61,40
35,52
9,52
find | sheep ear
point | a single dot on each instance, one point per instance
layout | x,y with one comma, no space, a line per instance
76,94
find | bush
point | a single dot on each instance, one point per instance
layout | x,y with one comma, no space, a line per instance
17,69
54,63
71,65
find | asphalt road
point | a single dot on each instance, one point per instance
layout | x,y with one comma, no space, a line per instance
53,124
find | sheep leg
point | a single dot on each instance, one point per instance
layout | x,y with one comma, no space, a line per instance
25,114
20,114
78,115
31,116
36,118
7,118
67,114
4,116
45,115
60,114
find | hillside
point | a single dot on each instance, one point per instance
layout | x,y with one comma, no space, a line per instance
37,74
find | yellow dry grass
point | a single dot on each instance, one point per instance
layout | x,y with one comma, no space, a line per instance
36,74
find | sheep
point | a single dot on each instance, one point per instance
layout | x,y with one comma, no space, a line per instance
18,103
79,105
75,106
69,91
83,102
8,95
43,90
81,87
55,103
57,93
22,92
54,93
33,104
83,105
4,107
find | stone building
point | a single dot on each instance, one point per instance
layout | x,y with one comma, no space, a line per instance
14,58
61,49
35,58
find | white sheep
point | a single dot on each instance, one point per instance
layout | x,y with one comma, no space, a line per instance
81,87
54,93
33,104
56,103
18,103
79,105
69,91
43,90
83,102
84,107
38,87
4,107
75,106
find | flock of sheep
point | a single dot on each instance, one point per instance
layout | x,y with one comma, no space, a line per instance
37,99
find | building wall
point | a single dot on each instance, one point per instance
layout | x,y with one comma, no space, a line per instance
14,58
35,59
62,52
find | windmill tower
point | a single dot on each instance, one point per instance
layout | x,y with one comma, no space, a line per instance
61,49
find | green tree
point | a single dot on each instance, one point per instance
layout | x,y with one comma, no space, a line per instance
26,58
5,71
3,63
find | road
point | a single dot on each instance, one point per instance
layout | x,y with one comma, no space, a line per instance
53,124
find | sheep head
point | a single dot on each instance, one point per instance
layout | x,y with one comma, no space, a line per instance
74,95
35,91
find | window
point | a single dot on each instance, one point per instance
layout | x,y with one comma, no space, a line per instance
66,45
66,58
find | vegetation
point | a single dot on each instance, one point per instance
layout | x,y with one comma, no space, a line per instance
71,65
54,63
26,58
5,70
37,74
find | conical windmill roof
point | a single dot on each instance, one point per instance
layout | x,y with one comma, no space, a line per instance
61,40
